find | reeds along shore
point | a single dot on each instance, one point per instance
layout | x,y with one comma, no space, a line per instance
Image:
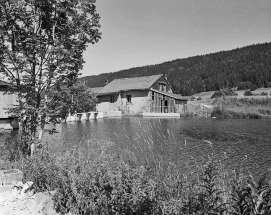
99,178
242,108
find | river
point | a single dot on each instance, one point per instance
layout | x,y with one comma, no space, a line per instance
242,142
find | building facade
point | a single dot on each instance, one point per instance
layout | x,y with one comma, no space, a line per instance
7,101
149,94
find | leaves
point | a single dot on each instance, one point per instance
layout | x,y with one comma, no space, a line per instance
41,44
63,100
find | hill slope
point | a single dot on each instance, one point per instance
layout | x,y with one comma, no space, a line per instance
247,67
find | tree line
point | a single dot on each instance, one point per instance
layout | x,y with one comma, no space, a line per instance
246,68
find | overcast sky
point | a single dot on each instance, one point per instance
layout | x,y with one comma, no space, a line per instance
145,32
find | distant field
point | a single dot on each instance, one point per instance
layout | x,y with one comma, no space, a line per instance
199,105
207,95
260,90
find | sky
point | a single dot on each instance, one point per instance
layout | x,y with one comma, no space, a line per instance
146,32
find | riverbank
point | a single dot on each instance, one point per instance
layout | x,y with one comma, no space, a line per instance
104,179
251,108
232,104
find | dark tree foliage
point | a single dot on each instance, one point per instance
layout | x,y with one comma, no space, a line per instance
246,68
64,100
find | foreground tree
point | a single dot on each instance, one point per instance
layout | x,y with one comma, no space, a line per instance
42,44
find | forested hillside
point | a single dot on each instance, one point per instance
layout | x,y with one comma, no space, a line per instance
248,67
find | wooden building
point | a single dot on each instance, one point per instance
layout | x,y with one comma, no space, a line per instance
7,101
148,94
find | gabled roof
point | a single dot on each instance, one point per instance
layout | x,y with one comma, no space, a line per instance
126,84
172,95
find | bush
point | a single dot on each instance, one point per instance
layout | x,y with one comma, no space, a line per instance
217,94
248,93
192,98
224,92
218,111
15,148
264,94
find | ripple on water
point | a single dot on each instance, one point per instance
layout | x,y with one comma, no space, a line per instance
245,142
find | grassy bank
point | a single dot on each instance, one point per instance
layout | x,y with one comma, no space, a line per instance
103,179
242,108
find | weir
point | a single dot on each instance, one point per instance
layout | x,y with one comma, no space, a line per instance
82,116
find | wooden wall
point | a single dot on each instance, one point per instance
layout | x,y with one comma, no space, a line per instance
6,101
161,103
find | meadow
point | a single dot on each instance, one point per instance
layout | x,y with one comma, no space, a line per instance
241,104
242,108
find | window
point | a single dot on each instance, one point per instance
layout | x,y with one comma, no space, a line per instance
152,96
112,99
162,87
129,98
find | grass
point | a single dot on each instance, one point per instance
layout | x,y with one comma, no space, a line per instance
238,106
100,178
242,108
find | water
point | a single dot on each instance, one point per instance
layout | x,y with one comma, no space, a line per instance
243,142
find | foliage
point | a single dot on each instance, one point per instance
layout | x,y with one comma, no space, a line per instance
246,86
42,44
248,93
218,111
102,179
250,196
208,198
247,67
264,94
64,100
224,92
12,149
242,108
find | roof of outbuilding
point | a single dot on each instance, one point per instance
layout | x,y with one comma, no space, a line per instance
172,95
125,84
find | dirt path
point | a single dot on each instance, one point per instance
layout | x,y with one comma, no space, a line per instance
38,203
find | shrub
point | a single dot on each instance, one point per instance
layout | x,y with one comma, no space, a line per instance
224,92
218,111
192,98
229,92
208,197
264,94
218,94
249,196
248,93
14,148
